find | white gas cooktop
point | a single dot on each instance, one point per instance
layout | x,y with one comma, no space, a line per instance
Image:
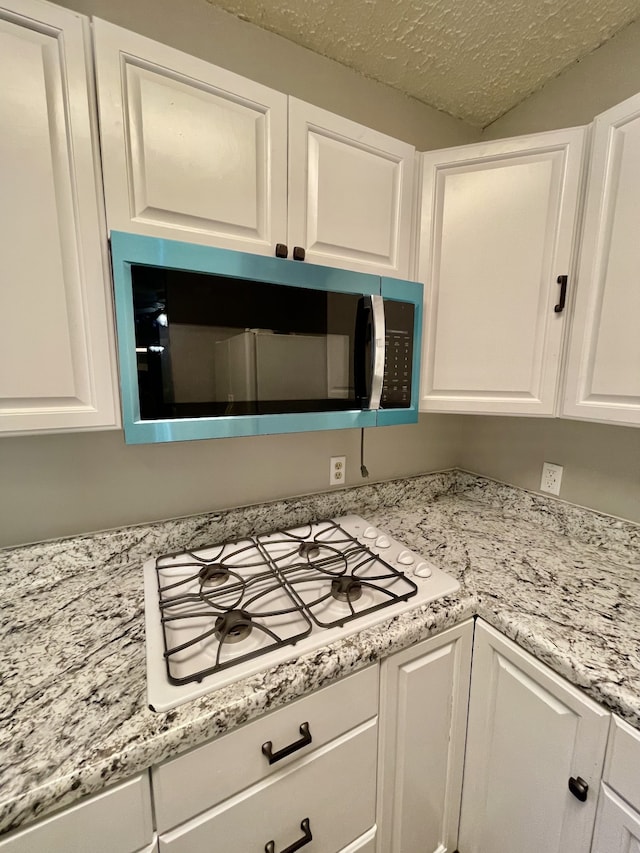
224,612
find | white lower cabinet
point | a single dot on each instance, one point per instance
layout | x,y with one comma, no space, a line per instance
304,773
116,821
365,844
493,769
618,820
423,718
617,825
327,798
206,776
530,736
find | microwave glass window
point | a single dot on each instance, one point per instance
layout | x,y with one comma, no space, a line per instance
211,346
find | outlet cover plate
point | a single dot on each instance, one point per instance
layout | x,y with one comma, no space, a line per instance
551,478
337,470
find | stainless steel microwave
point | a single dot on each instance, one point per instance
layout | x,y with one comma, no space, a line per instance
215,343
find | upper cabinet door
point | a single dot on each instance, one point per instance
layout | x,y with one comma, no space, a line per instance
350,193
603,373
56,349
190,151
497,229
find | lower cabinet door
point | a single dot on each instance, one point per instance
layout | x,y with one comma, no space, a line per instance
423,719
327,798
617,825
529,734
365,844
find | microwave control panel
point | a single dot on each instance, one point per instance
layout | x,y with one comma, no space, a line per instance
396,386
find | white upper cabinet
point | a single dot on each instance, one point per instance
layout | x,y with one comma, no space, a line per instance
350,193
497,230
56,353
190,151
603,373
193,152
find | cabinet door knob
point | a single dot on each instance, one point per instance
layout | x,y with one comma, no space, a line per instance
579,788
267,748
298,253
305,826
562,281
282,250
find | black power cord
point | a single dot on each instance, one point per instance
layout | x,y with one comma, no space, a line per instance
363,467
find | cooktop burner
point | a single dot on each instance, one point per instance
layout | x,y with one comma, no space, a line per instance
233,627
346,589
220,613
213,575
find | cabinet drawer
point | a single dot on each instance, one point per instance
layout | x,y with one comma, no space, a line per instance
117,821
333,789
622,767
198,780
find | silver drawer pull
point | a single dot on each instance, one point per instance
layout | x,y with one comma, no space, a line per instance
305,740
305,826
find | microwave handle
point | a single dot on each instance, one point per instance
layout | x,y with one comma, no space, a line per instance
378,335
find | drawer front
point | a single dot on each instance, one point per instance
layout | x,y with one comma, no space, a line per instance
198,780
622,767
333,789
117,821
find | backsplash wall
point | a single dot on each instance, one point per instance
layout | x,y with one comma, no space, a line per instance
58,485
601,462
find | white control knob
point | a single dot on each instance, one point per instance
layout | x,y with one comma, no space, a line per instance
406,558
383,541
370,533
422,570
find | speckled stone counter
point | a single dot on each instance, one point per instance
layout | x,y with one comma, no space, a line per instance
561,581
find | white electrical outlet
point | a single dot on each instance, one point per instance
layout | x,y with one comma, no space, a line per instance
551,478
337,470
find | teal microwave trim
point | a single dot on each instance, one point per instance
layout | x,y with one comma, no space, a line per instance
146,432
128,249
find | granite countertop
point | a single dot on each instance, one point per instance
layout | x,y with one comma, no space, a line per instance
561,581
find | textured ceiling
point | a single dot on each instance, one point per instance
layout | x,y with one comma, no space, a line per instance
474,59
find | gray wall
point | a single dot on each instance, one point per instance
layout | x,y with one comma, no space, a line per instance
599,81
64,484
601,462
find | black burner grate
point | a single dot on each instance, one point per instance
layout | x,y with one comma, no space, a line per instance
224,605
